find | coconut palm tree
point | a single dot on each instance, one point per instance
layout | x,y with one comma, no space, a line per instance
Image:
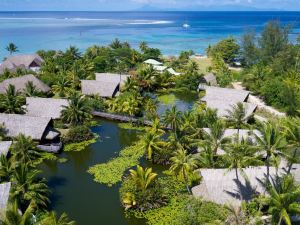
283,199
72,54
240,154
78,111
11,48
237,116
6,169
271,141
62,87
183,165
292,134
206,158
215,136
172,117
13,216
24,150
192,68
152,142
30,90
51,218
12,101
116,44
143,46
28,189
143,178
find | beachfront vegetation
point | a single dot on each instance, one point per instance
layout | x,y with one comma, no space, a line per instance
175,140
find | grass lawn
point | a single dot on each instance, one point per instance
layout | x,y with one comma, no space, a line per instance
203,64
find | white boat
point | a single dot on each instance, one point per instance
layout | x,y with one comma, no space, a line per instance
186,25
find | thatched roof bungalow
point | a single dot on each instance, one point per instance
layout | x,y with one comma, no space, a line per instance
21,82
4,147
222,187
223,99
103,89
223,107
112,77
208,79
29,62
45,107
245,134
38,128
153,62
4,195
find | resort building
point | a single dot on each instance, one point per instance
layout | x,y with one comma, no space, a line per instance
103,89
21,82
222,187
4,195
209,80
249,135
223,99
153,62
112,77
38,128
4,147
45,107
31,62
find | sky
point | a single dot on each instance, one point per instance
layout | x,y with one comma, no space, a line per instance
117,5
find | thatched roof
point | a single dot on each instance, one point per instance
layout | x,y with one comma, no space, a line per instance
34,127
21,82
232,96
4,195
222,187
103,89
12,63
4,147
210,79
232,133
224,106
112,77
45,107
153,62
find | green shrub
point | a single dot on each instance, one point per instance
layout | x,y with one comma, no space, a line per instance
78,134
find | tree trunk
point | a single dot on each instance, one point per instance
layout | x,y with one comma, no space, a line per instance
280,220
291,163
186,182
268,167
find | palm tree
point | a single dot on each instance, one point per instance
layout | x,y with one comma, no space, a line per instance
192,68
62,87
72,53
13,216
30,90
28,189
240,154
182,165
52,219
143,46
215,136
152,142
12,101
237,116
143,178
292,134
6,169
116,44
78,111
24,150
172,117
270,141
283,199
12,48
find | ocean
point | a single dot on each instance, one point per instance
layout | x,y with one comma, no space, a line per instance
32,31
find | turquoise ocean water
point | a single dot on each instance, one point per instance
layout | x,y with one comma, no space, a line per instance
31,31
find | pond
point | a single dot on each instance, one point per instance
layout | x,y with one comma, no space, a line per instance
73,189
